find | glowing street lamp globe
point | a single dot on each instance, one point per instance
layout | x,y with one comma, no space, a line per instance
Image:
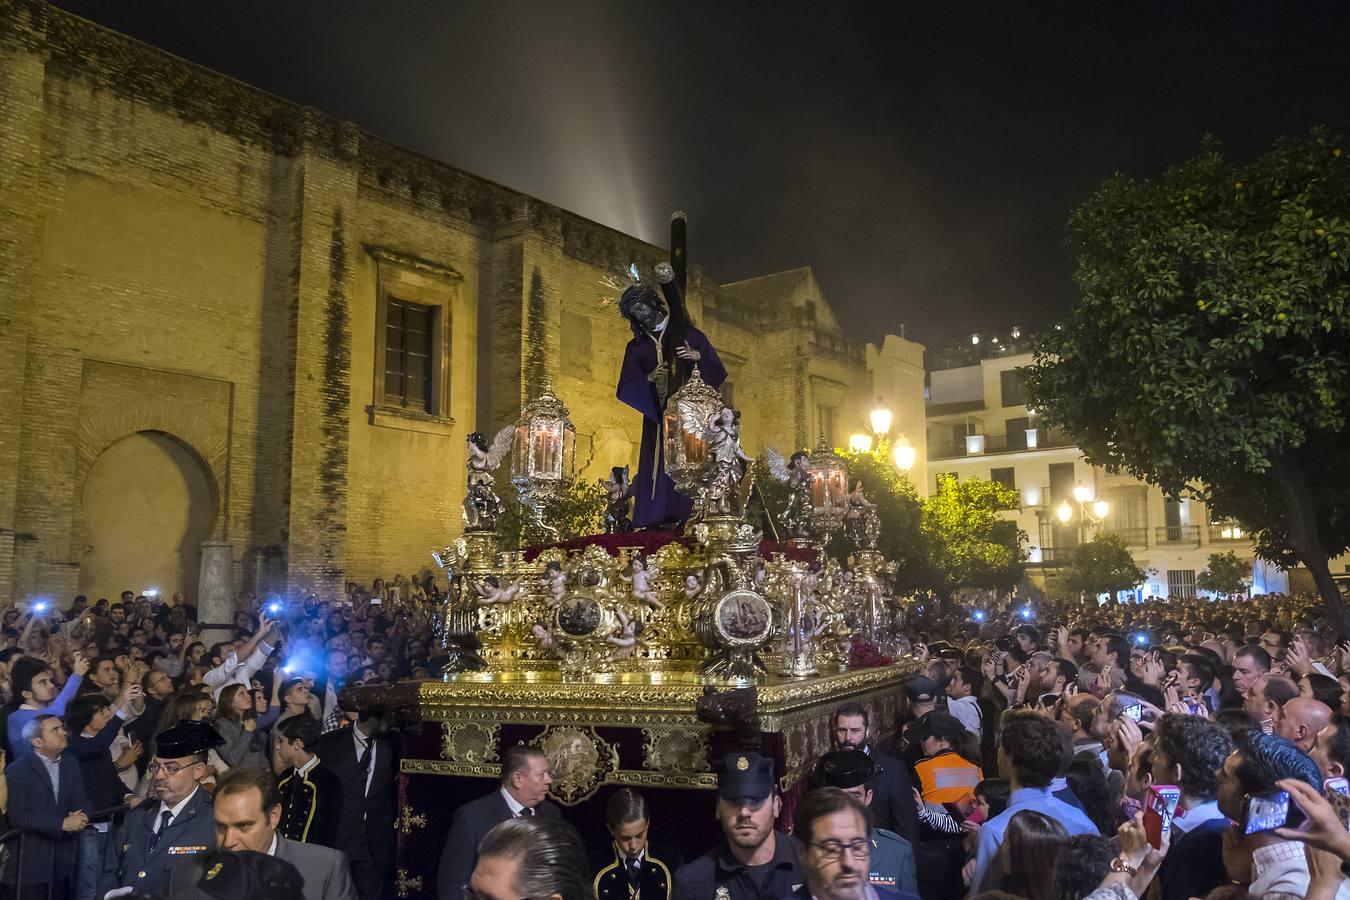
1064,513
905,454
860,443
881,420
1100,509
1082,493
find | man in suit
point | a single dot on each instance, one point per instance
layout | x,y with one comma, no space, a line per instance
831,828
892,790
47,797
524,785
311,795
632,867
247,812
362,757
174,823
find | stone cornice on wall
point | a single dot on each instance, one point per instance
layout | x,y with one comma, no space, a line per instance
80,50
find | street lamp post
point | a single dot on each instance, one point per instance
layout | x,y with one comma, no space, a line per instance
1089,513
901,449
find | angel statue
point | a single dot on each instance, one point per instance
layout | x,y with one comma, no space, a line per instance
482,506
490,591
796,516
555,583
727,461
641,580
861,523
626,641
618,493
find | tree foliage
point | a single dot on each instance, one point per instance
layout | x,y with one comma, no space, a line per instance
1103,565
898,509
575,511
1209,352
1225,574
969,544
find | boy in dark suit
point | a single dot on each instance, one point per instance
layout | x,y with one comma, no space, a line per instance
46,797
311,795
524,785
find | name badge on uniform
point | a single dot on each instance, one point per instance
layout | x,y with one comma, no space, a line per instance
187,851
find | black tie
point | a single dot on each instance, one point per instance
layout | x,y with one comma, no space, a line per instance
527,811
157,834
634,871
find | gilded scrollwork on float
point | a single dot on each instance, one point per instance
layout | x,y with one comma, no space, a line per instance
471,741
579,762
675,750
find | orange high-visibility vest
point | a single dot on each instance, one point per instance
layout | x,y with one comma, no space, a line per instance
947,778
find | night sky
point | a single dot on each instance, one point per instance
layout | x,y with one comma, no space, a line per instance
923,158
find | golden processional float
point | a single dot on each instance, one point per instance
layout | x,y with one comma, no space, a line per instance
640,667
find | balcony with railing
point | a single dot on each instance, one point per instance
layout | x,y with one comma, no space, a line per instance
987,444
1228,533
1133,537
1179,535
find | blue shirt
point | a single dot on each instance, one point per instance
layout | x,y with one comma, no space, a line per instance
21,717
987,871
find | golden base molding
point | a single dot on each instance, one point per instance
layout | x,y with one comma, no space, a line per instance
634,699
629,777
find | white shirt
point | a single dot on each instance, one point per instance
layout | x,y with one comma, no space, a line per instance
361,742
966,710
232,671
174,811
1190,819
511,803
272,850
304,770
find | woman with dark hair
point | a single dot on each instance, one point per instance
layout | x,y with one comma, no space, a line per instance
237,722
1322,688
950,767
1088,783
1030,847
1081,865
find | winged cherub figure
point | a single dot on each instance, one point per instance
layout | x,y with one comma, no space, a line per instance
797,515
482,506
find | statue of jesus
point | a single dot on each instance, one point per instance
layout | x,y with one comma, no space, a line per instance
656,363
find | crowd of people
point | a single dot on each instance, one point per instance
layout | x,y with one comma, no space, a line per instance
1185,748
134,747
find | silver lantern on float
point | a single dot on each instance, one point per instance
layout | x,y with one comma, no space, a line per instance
543,457
689,411
829,490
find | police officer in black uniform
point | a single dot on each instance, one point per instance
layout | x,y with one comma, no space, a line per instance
754,861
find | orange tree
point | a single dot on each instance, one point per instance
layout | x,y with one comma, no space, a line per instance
1209,352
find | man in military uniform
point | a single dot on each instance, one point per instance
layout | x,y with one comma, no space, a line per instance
632,868
753,861
175,822
892,857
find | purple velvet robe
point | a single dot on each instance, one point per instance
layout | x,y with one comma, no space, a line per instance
663,503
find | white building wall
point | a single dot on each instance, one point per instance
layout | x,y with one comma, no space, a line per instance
1170,554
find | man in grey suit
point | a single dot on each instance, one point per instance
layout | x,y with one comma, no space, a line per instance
247,811
524,785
